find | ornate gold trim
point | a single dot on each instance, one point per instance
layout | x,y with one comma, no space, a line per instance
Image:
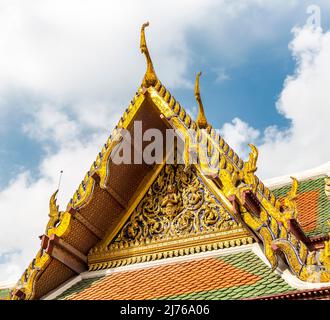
155,250
153,227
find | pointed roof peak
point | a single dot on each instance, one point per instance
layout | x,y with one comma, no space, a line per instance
150,78
201,118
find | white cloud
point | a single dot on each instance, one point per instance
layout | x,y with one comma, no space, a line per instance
305,101
221,75
238,133
80,62
72,50
24,203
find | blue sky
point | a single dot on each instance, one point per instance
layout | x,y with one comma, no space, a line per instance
69,70
249,91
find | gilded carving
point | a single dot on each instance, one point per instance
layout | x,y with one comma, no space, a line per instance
177,204
54,214
201,118
290,253
290,206
250,167
150,77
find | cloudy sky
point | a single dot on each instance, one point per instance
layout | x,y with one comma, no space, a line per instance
68,70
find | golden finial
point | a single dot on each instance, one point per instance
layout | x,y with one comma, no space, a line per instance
290,199
294,188
53,211
250,167
201,119
150,78
253,158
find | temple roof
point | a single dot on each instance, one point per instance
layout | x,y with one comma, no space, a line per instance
313,205
231,276
85,235
4,294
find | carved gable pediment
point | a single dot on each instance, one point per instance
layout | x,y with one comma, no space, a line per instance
178,215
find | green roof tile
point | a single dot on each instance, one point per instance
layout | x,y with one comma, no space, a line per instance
78,287
268,283
4,294
323,207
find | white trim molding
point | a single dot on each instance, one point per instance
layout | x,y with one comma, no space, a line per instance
283,271
7,284
314,173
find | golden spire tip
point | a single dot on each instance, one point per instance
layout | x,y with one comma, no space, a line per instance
150,78
201,118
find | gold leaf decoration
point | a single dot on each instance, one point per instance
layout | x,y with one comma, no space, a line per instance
177,204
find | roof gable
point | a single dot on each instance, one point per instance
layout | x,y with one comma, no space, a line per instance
178,215
99,207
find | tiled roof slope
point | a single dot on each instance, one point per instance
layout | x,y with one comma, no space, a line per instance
4,294
313,206
234,276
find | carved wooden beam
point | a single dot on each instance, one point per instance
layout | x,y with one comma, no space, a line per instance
19,294
251,202
117,197
234,201
113,193
296,230
313,243
58,249
68,247
317,242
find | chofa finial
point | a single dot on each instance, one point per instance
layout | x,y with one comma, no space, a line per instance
294,188
201,118
253,158
150,78
53,211
290,199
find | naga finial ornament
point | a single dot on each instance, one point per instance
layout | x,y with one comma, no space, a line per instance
290,200
253,158
201,118
250,167
150,78
54,213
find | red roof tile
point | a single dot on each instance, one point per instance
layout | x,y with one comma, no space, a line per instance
173,279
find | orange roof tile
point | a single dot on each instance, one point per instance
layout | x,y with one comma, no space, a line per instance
313,206
173,279
307,203
234,276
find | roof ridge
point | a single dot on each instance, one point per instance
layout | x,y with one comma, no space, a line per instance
225,148
309,174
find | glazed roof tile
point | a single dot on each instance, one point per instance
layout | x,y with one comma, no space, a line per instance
4,294
313,206
234,276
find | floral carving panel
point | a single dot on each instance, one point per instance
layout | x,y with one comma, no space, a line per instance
177,204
